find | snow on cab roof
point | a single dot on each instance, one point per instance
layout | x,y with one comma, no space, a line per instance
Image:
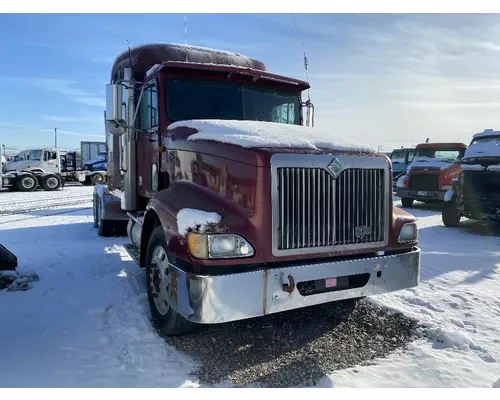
484,148
260,134
145,56
486,132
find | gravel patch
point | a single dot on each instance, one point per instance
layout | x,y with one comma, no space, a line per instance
295,348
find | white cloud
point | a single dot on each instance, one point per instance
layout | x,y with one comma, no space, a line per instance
413,78
68,89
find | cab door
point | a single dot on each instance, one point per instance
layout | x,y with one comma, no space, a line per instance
51,161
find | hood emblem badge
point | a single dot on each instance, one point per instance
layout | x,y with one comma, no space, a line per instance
363,230
335,167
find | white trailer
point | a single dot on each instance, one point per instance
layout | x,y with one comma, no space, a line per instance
91,151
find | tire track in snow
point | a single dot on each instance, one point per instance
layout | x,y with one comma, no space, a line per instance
72,202
63,211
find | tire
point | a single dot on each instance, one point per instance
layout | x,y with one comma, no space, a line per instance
406,201
98,179
95,205
165,318
450,214
104,227
51,182
26,182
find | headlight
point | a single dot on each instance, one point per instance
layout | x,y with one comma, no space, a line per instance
408,233
205,246
446,187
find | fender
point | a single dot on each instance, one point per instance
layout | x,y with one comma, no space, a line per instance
164,206
449,195
33,170
110,203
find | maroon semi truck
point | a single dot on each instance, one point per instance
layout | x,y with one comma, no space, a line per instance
235,205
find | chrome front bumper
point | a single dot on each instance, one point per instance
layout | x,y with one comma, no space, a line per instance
231,297
421,194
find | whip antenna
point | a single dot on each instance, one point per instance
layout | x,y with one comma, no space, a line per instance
306,63
129,52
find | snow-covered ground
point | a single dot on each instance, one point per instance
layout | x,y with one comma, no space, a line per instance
459,302
85,323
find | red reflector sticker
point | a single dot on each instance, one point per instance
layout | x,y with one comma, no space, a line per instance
330,282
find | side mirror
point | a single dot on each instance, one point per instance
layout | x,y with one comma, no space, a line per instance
309,113
114,118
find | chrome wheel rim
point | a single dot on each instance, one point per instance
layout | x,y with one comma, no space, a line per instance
98,178
160,279
28,183
52,182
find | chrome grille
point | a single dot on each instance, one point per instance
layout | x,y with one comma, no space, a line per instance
316,210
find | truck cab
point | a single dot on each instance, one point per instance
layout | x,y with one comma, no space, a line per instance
235,205
39,168
45,159
430,173
476,190
400,159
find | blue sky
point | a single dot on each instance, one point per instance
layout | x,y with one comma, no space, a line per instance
381,79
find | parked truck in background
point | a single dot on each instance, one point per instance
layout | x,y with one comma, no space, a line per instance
42,168
400,159
94,162
476,191
37,168
233,208
430,174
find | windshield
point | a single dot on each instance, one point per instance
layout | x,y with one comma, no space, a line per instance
451,155
35,155
398,156
188,99
493,140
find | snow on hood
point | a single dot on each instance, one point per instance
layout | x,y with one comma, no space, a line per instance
269,135
494,168
432,163
196,220
471,167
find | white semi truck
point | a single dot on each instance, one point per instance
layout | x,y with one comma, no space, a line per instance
49,168
41,169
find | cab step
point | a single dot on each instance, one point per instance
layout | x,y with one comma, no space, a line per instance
133,252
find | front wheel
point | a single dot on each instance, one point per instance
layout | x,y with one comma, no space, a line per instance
26,183
406,201
450,215
159,288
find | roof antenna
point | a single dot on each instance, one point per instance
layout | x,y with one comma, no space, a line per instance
186,34
129,52
306,63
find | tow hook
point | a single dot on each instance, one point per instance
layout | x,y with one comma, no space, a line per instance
290,287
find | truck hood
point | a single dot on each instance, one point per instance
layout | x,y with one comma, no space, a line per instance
254,141
19,165
430,165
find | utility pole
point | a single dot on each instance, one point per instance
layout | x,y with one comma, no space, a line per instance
55,138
